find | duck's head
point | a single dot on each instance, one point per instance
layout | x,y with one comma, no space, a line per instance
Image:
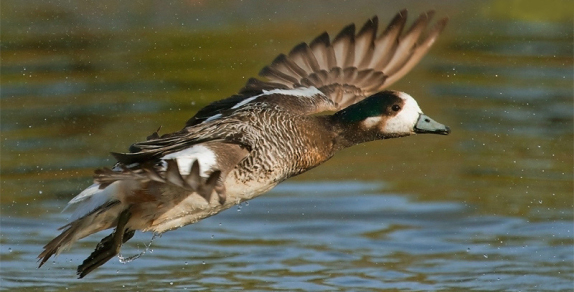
387,114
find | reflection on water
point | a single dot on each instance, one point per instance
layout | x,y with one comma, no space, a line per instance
316,240
487,208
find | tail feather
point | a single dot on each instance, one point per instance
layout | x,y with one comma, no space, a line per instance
149,194
78,229
61,241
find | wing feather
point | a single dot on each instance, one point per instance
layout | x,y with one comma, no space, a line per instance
385,45
363,60
304,58
323,52
348,69
407,43
344,47
420,51
364,43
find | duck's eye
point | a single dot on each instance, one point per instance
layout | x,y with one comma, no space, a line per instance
396,107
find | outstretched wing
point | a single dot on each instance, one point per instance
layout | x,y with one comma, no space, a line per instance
348,69
354,66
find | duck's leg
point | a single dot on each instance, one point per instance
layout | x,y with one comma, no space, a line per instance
108,247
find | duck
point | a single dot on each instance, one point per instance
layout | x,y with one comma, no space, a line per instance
320,98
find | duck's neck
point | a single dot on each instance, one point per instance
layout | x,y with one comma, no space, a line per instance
348,132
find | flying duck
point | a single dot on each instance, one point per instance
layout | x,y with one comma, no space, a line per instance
240,147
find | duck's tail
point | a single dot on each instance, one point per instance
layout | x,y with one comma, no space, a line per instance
96,208
101,218
118,194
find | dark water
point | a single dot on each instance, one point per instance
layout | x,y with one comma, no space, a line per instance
487,208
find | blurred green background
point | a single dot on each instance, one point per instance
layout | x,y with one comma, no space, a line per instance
80,79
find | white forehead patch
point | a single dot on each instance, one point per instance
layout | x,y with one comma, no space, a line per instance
406,119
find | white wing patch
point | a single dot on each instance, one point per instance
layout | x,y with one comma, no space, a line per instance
246,101
91,198
299,92
185,158
214,117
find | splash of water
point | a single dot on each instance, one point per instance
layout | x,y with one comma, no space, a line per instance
125,260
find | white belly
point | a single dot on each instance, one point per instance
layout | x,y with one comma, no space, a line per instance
194,207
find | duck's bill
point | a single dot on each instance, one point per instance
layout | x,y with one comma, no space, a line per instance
426,125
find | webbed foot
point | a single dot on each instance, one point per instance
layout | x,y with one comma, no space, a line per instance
108,247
